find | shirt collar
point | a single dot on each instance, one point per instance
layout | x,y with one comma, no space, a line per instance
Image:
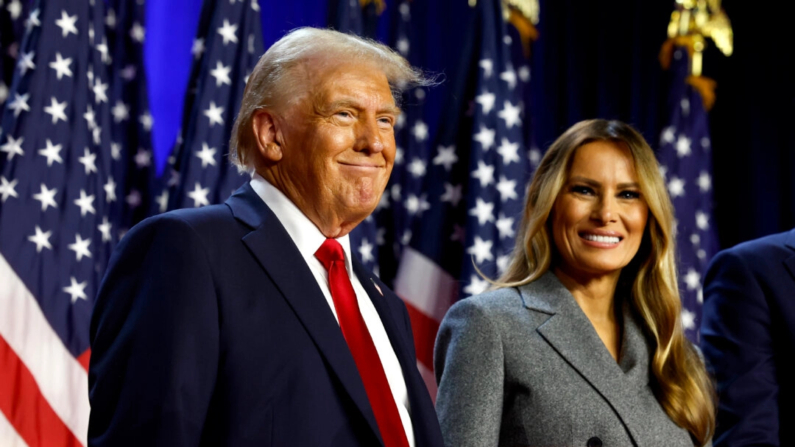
306,236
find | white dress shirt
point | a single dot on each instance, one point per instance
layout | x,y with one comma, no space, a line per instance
308,238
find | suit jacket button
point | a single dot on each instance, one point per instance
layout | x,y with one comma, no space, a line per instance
594,442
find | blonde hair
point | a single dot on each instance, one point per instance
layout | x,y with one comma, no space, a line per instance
681,383
276,80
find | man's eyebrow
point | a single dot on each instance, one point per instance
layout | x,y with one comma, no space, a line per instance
389,108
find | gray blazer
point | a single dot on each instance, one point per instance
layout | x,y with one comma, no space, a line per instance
525,367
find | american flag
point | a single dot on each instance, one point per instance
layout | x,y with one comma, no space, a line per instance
403,201
131,126
12,28
474,186
55,228
686,163
227,47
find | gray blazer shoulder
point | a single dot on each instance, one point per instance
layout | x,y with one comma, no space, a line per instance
524,366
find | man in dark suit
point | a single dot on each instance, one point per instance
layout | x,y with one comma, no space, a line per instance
250,323
748,339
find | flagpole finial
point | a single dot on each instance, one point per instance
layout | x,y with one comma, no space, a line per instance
692,22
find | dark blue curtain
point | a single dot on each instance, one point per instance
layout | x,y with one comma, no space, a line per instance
593,59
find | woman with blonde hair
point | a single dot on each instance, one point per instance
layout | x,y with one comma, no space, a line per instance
580,342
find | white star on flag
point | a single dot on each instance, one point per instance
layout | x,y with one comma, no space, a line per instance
67,24
207,155
146,121
416,205
476,286
509,76
121,112
420,131
13,147
52,152
510,114
417,168
19,104
61,66
485,137
683,146
26,62
505,226
484,211
143,158
86,203
100,90
488,67
692,279
484,173
105,228
507,189
198,48
446,157
214,114
486,101
366,251
46,197
509,151
452,194
7,188
162,201
228,32
676,187
481,250
221,74
41,239
669,135
137,32
688,319
76,290
88,160
80,247
110,190
57,110
199,195
702,220
704,181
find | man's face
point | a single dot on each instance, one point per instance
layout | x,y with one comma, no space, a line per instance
338,145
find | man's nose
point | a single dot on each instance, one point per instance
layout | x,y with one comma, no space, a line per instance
368,136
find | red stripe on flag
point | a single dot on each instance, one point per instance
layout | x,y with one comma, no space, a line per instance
24,406
425,329
84,358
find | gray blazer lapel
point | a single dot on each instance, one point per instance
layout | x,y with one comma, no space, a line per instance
574,338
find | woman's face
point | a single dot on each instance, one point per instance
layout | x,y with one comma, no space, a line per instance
599,216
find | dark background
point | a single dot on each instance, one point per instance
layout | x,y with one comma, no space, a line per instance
593,59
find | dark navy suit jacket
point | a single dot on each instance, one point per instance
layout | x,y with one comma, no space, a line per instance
748,339
210,330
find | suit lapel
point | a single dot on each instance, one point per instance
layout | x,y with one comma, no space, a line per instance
273,248
574,338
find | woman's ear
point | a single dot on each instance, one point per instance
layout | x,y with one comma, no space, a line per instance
265,133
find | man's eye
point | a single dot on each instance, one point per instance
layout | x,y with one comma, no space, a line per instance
344,114
386,122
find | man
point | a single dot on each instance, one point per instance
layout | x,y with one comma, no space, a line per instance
748,340
249,323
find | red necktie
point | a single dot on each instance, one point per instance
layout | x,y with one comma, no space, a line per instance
361,345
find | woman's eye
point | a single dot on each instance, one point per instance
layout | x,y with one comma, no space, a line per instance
629,194
580,189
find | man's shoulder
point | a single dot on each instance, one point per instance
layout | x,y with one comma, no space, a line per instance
765,249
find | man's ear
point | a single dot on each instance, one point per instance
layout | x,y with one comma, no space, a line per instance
265,133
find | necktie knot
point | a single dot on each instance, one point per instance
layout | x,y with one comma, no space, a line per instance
329,252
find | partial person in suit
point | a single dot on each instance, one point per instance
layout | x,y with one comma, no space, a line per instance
748,339
580,341
250,323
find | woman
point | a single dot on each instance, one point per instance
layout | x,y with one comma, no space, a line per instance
581,343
